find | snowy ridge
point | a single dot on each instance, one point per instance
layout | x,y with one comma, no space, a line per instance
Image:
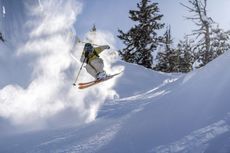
151,93
136,103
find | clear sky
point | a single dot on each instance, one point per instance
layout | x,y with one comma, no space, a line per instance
110,15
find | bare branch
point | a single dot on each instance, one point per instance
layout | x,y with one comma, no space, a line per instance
189,8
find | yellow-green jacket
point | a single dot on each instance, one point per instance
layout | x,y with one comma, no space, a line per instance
93,55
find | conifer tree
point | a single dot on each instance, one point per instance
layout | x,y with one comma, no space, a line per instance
167,58
142,39
186,55
220,41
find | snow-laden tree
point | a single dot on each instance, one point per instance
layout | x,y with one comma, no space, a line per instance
220,41
208,39
186,55
199,10
142,39
168,58
179,59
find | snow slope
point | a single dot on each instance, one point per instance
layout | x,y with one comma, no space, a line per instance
173,113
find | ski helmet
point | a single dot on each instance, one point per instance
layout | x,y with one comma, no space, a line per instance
88,48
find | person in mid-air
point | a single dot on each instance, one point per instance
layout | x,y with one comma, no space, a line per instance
94,64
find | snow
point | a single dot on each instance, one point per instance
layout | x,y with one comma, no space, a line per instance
139,111
174,113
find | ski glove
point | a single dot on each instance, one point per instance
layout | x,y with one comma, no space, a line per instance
105,47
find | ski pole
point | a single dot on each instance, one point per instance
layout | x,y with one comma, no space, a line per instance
74,84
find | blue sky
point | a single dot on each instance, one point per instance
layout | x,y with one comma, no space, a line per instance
110,15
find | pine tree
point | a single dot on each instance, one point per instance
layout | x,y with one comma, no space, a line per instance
168,59
186,55
220,41
178,59
142,39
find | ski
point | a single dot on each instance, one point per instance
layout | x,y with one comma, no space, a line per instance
94,83
85,83
91,83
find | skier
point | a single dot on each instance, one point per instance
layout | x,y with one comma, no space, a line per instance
1,37
94,64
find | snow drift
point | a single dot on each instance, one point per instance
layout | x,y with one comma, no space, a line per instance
174,113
